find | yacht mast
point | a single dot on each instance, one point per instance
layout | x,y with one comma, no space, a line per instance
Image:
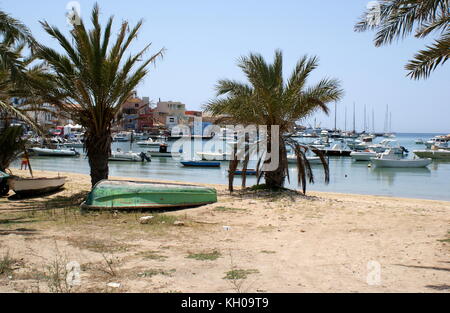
354,118
365,120
335,116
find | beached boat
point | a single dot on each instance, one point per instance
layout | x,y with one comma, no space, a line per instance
4,186
110,194
131,156
200,164
55,152
390,159
35,186
363,155
440,154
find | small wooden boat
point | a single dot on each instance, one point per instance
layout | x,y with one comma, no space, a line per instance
389,159
35,186
200,164
55,152
132,195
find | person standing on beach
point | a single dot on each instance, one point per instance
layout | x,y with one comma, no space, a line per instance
24,163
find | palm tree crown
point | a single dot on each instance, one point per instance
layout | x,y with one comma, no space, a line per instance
394,19
92,79
268,100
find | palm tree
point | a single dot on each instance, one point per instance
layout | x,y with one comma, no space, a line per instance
268,100
394,19
92,79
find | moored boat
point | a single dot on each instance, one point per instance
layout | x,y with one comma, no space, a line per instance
337,150
363,155
390,159
150,143
214,156
35,186
121,156
248,172
200,164
55,152
440,154
292,159
110,194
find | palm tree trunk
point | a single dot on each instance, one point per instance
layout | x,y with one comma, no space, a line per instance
98,151
276,179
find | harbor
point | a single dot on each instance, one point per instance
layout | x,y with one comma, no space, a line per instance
347,176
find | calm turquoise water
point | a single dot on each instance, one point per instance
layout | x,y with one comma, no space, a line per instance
346,176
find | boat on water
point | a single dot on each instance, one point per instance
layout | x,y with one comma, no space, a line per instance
200,164
436,141
388,144
439,154
130,156
163,153
149,143
363,155
419,141
35,186
132,195
55,152
337,150
122,137
248,172
392,160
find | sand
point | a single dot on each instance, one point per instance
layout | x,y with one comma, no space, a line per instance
247,242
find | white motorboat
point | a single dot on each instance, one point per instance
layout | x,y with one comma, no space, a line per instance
363,155
74,144
122,137
150,143
131,156
439,154
387,144
436,141
55,152
390,159
34,186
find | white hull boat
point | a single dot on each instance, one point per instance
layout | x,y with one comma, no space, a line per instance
120,156
433,154
33,186
389,159
55,152
363,156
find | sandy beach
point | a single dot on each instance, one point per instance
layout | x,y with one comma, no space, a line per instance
247,242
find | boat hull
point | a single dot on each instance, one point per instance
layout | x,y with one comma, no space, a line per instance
131,195
35,186
438,154
401,163
201,164
362,156
54,152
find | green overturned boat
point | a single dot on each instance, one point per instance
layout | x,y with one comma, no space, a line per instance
132,195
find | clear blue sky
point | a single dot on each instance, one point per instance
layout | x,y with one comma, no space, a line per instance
204,38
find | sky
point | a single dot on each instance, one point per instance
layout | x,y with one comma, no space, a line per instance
204,38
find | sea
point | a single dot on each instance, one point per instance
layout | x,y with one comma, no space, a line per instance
346,175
